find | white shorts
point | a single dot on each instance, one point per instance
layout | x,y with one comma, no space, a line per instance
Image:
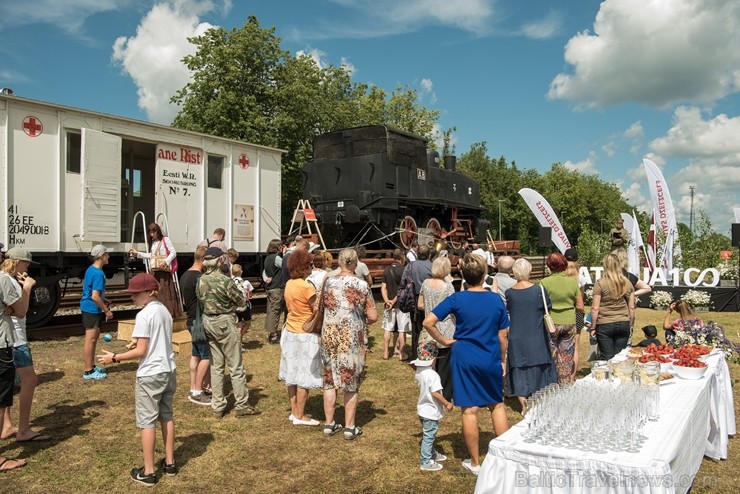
395,319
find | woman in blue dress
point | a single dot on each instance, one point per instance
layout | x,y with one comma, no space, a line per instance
530,362
478,350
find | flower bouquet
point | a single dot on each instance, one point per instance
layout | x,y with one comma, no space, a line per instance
709,334
661,300
697,298
588,296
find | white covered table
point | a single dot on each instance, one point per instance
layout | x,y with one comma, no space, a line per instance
696,418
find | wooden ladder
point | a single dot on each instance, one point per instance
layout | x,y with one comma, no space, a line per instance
304,214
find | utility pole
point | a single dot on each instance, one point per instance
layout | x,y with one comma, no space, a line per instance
499,218
691,211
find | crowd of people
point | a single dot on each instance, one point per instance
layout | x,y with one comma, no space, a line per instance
470,348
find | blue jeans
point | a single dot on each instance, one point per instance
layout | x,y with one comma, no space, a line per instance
613,338
428,433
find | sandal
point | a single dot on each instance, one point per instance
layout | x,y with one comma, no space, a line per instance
18,464
351,432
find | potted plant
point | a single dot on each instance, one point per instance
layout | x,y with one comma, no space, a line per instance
660,300
728,273
698,299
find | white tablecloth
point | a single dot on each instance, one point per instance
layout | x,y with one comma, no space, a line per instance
696,418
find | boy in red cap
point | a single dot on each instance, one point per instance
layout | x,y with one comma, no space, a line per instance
155,377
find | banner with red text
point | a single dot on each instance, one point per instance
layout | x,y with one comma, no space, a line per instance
546,216
665,218
635,242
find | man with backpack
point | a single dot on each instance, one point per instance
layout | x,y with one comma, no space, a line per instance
216,240
393,318
419,270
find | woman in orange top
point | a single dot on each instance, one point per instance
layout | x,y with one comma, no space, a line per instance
300,366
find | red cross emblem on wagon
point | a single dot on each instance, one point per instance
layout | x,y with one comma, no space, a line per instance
243,161
32,126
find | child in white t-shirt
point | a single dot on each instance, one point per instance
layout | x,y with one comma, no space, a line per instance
155,377
431,406
243,316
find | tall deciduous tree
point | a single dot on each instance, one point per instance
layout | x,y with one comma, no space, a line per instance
246,87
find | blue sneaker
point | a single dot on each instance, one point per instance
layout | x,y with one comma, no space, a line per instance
94,375
102,370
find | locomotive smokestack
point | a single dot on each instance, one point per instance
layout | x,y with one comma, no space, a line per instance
450,162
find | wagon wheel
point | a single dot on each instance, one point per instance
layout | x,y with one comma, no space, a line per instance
407,231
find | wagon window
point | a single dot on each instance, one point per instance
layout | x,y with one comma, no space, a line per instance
215,171
74,147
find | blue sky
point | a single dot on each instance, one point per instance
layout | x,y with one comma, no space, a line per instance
597,86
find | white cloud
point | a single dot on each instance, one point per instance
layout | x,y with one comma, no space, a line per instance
692,136
544,28
586,166
316,54
68,15
348,66
361,19
634,131
654,52
610,148
153,57
427,87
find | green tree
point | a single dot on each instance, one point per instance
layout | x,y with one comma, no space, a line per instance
246,87
701,248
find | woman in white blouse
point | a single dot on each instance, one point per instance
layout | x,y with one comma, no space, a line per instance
162,259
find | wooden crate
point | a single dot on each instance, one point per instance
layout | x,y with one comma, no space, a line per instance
181,340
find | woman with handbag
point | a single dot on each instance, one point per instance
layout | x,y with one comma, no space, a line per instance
300,366
348,308
567,301
530,364
162,259
613,309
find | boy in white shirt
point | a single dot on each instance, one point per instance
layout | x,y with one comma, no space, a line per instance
155,377
431,406
243,316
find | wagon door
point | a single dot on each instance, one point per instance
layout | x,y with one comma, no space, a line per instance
101,186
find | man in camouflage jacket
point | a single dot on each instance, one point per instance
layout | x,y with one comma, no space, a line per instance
219,297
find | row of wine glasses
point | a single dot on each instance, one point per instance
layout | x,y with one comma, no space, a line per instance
607,417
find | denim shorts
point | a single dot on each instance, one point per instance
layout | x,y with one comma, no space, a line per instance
200,350
22,356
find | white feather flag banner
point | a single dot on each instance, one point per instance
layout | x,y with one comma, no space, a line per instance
547,217
665,218
635,242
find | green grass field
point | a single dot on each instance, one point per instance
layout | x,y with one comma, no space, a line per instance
96,442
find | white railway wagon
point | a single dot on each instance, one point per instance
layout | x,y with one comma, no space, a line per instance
72,178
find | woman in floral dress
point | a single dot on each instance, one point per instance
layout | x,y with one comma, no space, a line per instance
433,291
348,309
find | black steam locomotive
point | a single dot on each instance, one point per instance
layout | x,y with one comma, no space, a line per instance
380,184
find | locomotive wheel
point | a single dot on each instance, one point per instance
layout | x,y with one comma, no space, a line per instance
434,225
408,231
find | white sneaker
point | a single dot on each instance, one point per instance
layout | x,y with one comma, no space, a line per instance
312,422
469,465
291,417
432,466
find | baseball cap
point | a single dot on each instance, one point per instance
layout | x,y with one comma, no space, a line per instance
213,253
19,254
571,254
99,250
142,282
426,354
